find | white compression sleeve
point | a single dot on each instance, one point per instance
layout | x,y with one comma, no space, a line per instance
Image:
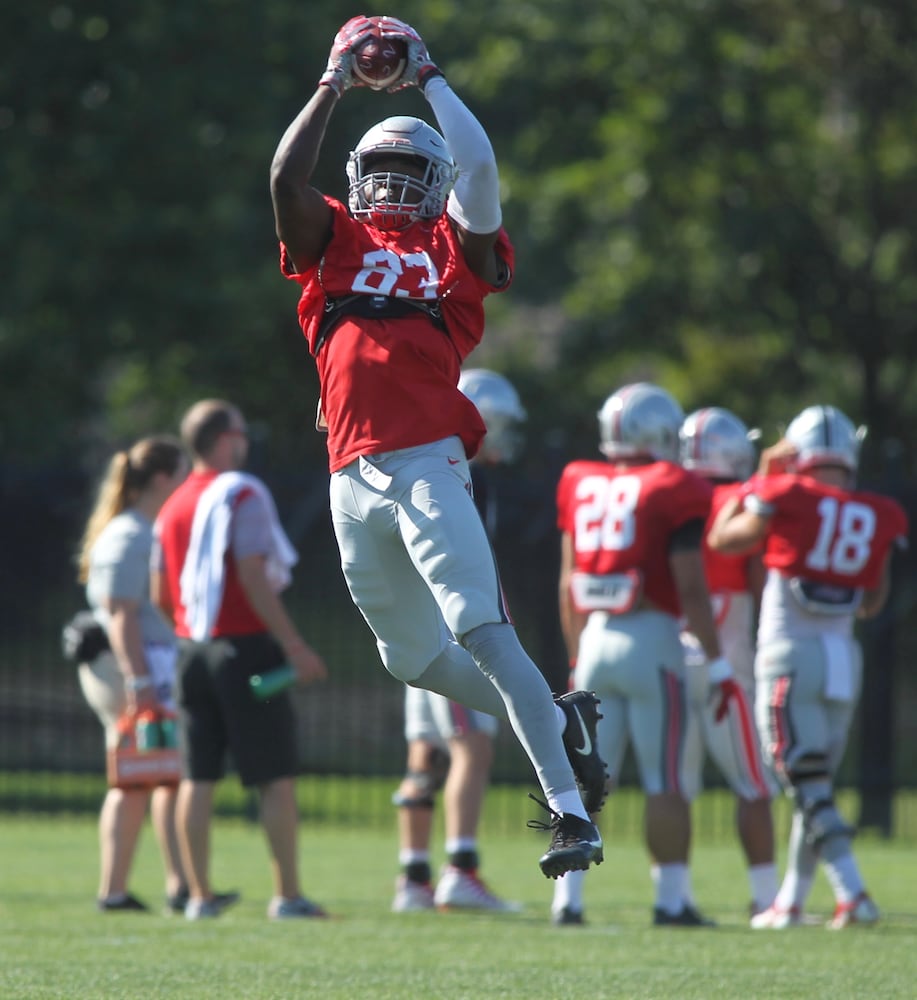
475,200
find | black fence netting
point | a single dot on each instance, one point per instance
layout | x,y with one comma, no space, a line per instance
352,724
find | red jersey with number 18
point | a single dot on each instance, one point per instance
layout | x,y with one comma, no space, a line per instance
824,533
392,383
621,518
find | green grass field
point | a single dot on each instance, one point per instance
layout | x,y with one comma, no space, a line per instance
54,944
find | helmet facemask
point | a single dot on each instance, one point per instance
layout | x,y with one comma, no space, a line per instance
392,198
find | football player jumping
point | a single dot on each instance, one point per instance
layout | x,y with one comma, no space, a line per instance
827,552
391,303
450,746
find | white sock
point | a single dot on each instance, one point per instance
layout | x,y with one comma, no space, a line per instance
763,882
670,888
411,855
687,889
844,875
568,804
456,844
568,892
794,891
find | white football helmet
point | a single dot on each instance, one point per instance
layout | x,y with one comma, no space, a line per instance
503,414
822,435
640,419
393,200
715,443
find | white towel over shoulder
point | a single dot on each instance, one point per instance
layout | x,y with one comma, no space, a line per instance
203,574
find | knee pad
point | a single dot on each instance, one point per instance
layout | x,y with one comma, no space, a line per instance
809,767
813,794
822,823
427,782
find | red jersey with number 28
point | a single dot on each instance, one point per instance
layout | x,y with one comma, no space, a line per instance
824,533
621,518
392,383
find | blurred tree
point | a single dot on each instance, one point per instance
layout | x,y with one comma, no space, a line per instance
718,194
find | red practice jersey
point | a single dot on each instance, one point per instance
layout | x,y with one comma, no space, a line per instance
621,519
726,574
824,533
393,383
173,529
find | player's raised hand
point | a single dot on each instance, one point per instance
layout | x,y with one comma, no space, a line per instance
420,67
338,73
777,459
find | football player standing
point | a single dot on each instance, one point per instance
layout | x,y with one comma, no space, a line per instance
631,566
827,552
716,444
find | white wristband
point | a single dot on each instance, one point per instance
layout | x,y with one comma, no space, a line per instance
138,683
719,670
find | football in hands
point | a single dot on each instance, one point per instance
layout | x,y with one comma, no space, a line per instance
379,62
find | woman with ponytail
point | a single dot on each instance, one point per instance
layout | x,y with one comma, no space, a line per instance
137,674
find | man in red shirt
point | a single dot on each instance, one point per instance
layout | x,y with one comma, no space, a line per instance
391,304
827,552
220,561
631,567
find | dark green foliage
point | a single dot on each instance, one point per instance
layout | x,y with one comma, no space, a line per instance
717,194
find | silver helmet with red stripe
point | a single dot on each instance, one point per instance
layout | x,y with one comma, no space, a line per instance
822,435
715,443
391,198
640,420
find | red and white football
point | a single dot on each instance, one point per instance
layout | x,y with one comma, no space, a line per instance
379,62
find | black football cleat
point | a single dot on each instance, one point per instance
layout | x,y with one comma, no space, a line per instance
126,904
567,917
582,711
688,916
575,843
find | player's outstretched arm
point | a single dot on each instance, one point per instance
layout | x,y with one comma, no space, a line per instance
736,530
302,217
474,204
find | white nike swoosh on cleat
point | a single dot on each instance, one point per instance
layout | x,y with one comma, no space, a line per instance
587,741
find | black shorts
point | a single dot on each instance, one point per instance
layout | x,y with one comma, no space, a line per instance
220,715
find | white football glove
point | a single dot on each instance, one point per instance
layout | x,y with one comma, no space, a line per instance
723,686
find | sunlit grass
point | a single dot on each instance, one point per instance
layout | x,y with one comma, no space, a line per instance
54,944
